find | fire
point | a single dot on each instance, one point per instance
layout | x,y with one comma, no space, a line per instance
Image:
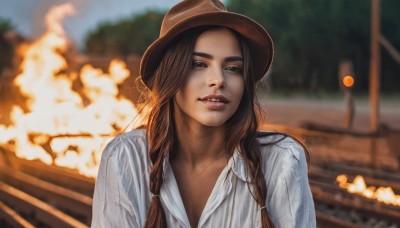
381,194
61,126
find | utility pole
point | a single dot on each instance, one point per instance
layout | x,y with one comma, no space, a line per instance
374,65
374,77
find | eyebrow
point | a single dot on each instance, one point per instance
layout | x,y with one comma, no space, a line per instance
227,59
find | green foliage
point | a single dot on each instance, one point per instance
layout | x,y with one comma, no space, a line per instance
312,36
124,37
5,25
391,30
6,51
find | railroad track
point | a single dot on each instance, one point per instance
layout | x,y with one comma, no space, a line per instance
33,194
336,207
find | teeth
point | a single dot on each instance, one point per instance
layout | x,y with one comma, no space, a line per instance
214,100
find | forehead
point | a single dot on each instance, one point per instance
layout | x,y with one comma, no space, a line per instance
220,41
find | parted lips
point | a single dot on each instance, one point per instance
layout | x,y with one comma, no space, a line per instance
194,13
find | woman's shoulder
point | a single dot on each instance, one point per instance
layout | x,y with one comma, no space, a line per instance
133,135
128,142
277,144
282,157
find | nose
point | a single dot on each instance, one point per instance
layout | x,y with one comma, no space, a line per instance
216,78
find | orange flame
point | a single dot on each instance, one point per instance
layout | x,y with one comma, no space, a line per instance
382,194
61,127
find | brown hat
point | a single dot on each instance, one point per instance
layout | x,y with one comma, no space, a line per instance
194,13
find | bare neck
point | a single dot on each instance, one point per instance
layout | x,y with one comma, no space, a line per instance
198,143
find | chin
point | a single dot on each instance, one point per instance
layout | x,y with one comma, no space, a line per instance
213,122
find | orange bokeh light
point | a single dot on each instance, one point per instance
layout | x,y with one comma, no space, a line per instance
348,81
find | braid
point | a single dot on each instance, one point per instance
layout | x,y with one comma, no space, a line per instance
253,159
156,215
157,151
242,127
242,134
251,150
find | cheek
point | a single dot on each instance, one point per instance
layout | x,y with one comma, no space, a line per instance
238,88
184,98
179,98
192,83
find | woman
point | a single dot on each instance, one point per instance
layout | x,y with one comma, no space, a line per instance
200,161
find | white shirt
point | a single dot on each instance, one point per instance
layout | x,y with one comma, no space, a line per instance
122,196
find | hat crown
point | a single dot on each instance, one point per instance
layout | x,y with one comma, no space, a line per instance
187,9
189,14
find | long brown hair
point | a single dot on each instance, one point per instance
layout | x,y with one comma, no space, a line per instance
241,128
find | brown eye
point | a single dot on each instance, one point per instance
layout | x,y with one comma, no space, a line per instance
235,69
198,64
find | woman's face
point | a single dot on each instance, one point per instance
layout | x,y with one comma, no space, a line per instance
214,87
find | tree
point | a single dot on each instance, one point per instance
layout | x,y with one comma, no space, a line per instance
312,36
6,53
125,37
390,28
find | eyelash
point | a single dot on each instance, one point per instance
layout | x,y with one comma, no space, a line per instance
235,69
199,64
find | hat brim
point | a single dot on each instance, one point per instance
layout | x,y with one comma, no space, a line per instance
259,41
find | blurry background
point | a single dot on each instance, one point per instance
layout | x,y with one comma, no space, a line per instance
311,38
55,58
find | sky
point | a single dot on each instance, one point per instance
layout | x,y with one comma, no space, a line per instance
27,16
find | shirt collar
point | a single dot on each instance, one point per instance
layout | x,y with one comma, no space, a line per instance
236,163
173,201
238,166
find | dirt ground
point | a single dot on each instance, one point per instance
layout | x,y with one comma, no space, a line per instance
289,115
295,111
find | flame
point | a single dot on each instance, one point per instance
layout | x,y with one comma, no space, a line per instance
62,127
382,194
